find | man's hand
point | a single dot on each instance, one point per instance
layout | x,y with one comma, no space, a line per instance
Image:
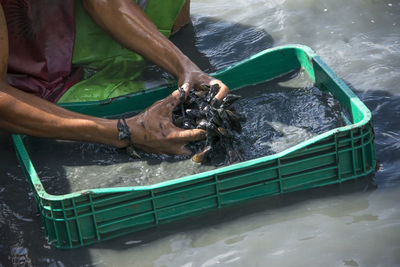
153,130
131,27
193,77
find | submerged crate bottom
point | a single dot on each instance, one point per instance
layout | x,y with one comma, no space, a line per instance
280,114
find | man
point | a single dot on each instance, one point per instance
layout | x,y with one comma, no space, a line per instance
151,131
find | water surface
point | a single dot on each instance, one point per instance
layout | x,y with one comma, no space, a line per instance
280,114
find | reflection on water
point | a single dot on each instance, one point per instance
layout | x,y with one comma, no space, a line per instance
353,224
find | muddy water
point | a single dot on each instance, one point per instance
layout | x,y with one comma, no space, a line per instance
353,224
280,114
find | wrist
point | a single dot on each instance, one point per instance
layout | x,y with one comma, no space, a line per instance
136,127
189,74
184,67
121,143
108,134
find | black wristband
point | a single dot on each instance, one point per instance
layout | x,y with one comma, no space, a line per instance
123,130
125,133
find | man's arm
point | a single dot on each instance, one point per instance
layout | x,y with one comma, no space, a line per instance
129,25
21,112
152,130
25,113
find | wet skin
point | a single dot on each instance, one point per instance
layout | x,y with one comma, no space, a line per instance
24,113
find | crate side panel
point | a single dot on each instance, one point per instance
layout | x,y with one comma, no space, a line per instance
346,165
121,210
304,180
246,177
87,228
185,209
250,192
309,163
105,200
147,220
185,195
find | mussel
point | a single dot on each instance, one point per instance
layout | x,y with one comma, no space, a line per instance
222,123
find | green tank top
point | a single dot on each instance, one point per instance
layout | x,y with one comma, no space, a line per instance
111,70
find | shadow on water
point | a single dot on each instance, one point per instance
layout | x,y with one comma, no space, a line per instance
386,116
215,44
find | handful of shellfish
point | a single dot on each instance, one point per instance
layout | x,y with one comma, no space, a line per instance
221,121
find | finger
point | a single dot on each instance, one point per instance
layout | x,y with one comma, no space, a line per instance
174,99
186,87
176,94
188,135
223,89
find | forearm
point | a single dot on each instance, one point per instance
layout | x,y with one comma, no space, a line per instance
24,113
130,26
152,130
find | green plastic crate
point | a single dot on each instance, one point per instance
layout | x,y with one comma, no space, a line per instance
89,216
